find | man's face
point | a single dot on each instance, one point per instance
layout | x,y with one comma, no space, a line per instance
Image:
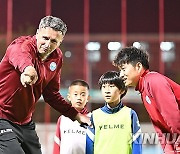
48,40
111,94
78,96
130,73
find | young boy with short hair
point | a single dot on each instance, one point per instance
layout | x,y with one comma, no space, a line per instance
70,137
115,128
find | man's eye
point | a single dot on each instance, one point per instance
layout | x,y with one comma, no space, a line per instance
54,41
45,38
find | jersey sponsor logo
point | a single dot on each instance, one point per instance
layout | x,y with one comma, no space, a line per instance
115,126
148,100
72,131
2,131
53,66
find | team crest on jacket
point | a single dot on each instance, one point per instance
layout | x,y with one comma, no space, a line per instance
148,100
52,66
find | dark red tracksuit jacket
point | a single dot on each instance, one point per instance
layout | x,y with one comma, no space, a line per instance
161,98
17,103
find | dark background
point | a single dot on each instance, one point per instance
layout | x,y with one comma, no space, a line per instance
105,15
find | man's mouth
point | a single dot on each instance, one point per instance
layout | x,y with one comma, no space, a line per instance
45,50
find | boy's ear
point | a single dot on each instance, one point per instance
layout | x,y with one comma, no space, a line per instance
89,97
122,92
68,97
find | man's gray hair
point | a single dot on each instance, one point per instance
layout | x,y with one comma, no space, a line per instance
53,22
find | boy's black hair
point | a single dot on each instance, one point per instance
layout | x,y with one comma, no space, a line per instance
113,77
131,55
80,83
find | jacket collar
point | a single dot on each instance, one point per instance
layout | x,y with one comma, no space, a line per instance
140,86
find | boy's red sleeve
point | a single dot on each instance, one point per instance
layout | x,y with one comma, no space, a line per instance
57,138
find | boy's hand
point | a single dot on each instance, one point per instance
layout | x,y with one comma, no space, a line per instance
83,119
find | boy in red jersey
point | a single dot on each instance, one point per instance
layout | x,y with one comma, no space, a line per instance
70,137
160,95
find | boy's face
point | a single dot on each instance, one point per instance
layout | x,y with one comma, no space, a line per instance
111,94
78,96
130,73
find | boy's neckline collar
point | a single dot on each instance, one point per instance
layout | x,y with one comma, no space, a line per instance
119,105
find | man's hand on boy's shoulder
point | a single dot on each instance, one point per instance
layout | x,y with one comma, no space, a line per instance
83,119
84,125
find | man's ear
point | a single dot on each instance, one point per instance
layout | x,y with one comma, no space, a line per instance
37,32
139,66
68,97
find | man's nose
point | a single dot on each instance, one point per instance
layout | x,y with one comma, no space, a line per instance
48,43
